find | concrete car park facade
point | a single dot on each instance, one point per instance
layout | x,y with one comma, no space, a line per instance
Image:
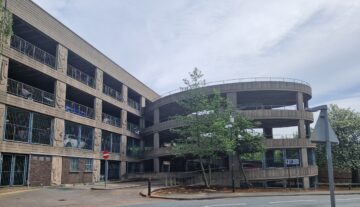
62,102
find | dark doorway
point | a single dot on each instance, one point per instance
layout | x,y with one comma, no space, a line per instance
114,170
13,170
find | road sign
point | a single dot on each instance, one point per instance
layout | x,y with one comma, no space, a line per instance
319,134
292,161
106,154
166,162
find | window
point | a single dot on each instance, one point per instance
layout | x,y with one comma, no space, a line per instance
19,124
74,164
110,142
88,165
78,136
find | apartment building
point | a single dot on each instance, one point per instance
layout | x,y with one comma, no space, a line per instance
62,102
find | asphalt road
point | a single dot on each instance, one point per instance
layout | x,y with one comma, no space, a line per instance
276,201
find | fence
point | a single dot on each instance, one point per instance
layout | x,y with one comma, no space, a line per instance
112,120
80,76
112,93
79,109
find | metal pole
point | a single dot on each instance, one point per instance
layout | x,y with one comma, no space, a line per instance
106,171
149,187
329,161
232,174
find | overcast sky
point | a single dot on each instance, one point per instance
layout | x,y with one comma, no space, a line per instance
160,41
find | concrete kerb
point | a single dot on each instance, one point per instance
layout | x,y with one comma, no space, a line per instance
144,193
115,188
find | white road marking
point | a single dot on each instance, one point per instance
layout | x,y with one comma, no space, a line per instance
229,204
296,201
347,199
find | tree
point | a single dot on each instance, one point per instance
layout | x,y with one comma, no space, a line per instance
203,134
346,155
6,21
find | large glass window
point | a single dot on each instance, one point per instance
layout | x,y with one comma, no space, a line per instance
19,124
133,147
110,142
78,136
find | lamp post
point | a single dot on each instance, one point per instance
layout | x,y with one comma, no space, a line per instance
323,133
229,126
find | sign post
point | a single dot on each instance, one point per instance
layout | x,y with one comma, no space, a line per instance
106,156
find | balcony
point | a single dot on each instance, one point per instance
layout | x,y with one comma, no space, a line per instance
29,92
79,109
112,120
32,51
266,107
133,128
80,76
112,93
133,104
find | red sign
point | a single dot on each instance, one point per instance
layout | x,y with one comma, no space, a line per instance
106,155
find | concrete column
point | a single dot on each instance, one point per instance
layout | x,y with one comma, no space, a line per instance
123,147
97,140
156,141
99,79
124,119
300,101
306,182
122,168
156,165
61,59
268,132
59,130
4,68
124,92
98,110
304,157
96,171
56,170
156,116
232,98
60,95
301,129
2,118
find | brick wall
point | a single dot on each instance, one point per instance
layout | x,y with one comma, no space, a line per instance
74,177
40,170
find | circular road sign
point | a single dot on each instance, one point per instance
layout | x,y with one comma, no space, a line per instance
106,155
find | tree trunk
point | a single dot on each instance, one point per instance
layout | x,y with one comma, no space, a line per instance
247,184
204,173
354,175
210,172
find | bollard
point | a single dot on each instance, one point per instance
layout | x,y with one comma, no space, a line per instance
149,187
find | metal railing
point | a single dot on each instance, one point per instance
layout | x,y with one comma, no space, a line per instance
32,51
133,128
266,107
80,76
29,92
237,80
112,120
79,109
132,103
112,93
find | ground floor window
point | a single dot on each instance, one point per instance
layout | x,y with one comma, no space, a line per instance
88,165
74,165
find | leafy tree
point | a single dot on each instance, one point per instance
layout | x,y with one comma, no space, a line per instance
6,21
204,134
346,155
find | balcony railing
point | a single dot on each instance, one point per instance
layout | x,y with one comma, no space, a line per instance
79,109
267,107
112,120
32,51
133,128
29,92
80,76
133,104
112,93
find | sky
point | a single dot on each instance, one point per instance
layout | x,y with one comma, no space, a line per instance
161,41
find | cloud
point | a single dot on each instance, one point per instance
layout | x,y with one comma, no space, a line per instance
160,41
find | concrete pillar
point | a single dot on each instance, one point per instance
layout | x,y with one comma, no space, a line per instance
156,165
156,141
98,110
56,170
97,140
59,130
60,95
232,98
142,150
156,116
4,68
2,118
96,171
268,133
304,157
123,147
99,80
124,119
124,92
122,168
306,182
61,59
300,101
301,129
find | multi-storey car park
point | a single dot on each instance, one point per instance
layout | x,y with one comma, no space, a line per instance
63,102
